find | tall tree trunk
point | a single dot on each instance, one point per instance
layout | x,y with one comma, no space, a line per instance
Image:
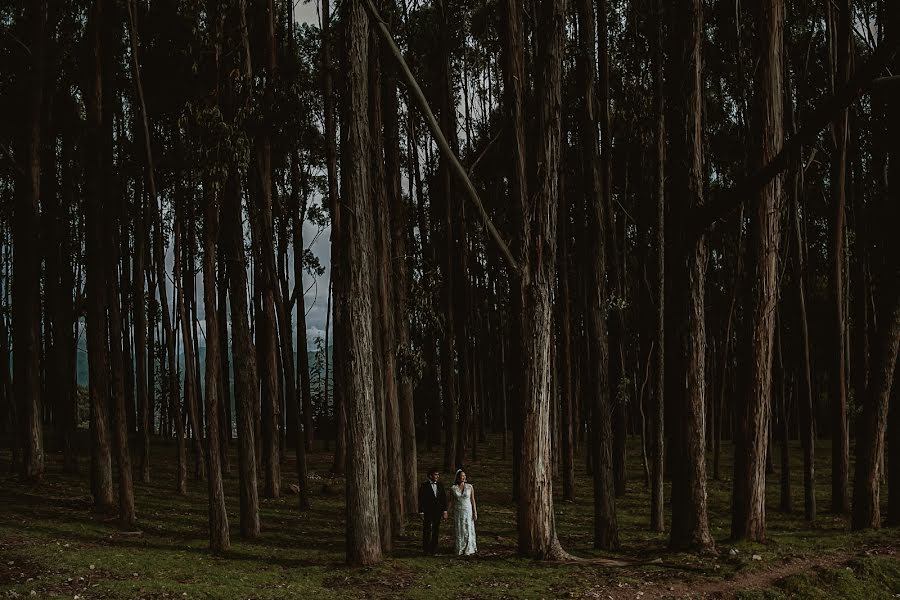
686,326
357,246
444,203
606,533
785,503
616,324
535,231
302,379
749,506
242,351
184,272
261,216
155,210
113,219
564,354
883,375
304,426
385,347
140,327
174,405
219,538
225,373
96,294
840,432
64,338
26,259
334,207
399,271
657,508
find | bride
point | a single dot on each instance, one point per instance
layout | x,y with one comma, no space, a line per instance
465,513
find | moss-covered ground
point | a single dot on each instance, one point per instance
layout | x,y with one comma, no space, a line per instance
53,546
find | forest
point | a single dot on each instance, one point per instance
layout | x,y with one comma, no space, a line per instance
633,265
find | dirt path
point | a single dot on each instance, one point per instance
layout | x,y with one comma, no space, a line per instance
743,581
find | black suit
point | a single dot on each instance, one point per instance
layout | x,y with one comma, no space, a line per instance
432,506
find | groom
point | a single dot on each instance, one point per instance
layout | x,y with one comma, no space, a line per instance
433,508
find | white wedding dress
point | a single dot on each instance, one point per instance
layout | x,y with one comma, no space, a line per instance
463,521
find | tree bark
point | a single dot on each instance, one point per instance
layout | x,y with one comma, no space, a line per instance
127,517
383,310
840,432
26,259
95,273
263,234
686,326
219,537
882,378
357,246
140,332
535,231
606,535
183,273
657,463
225,373
615,323
749,510
243,354
400,272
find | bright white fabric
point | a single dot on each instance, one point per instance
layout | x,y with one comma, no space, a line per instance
463,521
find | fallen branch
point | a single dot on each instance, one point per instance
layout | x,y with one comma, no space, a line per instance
446,151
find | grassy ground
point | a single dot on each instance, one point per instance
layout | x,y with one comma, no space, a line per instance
52,545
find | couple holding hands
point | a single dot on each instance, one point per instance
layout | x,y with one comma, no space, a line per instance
433,505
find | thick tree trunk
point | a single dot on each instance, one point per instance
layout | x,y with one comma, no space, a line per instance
243,354
606,534
263,235
686,325
536,242
616,322
357,246
883,375
219,538
840,431
95,273
117,339
64,338
26,305
399,273
383,310
657,468
749,506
